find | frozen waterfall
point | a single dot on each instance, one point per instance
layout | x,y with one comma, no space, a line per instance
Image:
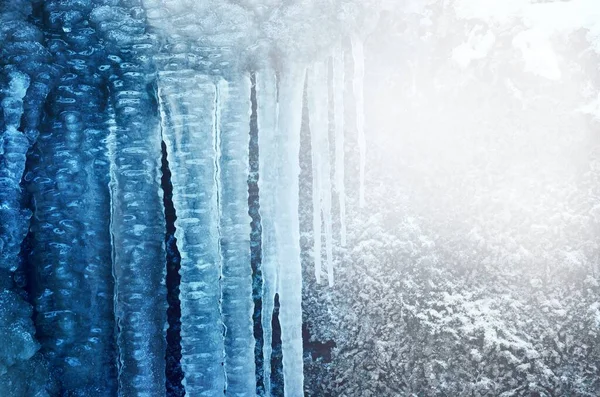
126,161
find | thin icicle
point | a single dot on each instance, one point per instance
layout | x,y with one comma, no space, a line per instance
216,133
358,85
288,227
267,108
319,132
316,120
338,106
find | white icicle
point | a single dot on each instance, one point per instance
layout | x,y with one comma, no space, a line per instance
316,125
266,94
319,132
288,227
338,106
358,85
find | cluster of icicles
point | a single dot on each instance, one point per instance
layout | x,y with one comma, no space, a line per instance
109,101
205,133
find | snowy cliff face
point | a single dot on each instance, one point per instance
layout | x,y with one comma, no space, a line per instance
201,197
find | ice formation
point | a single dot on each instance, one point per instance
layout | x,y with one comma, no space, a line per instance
96,97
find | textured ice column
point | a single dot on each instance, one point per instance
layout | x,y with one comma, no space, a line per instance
321,168
13,149
338,118
188,107
26,72
138,246
73,287
25,77
358,85
137,221
267,114
233,123
287,227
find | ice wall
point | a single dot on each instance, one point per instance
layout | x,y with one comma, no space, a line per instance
137,220
107,83
26,74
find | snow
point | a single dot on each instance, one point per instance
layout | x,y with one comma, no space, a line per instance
538,54
477,47
542,21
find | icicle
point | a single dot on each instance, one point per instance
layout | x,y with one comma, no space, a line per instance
319,132
72,286
287,227
234,108
137,216
138,227
266,92
316,120
338,105
358,85
14,221
188,108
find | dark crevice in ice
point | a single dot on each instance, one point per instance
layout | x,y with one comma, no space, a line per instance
255,241
174,372
277,380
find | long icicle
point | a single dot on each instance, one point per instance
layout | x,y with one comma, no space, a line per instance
316,124
266,92
188,108
338,106
319,132
234,226
288,227
358,85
